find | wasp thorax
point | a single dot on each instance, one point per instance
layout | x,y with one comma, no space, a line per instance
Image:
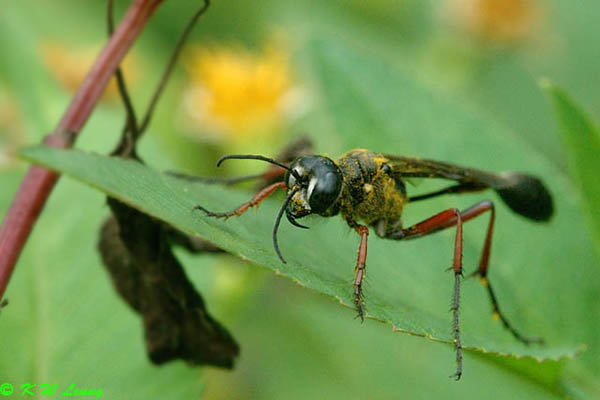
319,181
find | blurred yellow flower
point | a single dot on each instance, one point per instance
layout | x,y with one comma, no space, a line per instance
13,134
496,20
69,67
237,94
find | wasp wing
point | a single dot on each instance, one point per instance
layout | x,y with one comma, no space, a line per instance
523,193
407,167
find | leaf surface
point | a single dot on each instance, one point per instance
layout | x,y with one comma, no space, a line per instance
321,259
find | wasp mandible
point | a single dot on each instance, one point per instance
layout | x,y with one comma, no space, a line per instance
368,190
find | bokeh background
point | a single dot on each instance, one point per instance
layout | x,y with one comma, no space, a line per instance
348,74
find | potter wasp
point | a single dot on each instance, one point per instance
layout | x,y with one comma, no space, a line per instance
368,190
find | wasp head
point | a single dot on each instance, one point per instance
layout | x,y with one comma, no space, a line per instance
317,182
314,185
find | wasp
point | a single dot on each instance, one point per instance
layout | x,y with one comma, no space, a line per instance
368,190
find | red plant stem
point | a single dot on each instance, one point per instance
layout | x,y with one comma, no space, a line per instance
38,182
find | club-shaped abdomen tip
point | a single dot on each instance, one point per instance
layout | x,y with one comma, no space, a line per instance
527,195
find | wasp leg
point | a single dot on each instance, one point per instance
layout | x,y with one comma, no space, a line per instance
472,212
260,196
461,188
482,271
360,268
272,173
440,222
214,180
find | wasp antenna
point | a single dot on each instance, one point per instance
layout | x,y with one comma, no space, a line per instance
278,221
214,180
250,157
257,157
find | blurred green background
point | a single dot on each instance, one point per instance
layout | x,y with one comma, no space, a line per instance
455,80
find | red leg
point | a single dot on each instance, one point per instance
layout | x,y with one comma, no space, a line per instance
482,271
361,264
360,269
445,220
440,221
260,196
272,173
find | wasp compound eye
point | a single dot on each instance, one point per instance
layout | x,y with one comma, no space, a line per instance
324,191
324,186
297,174
290,179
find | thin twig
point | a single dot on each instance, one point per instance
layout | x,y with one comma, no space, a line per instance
170,66
38,182
131,118
130,129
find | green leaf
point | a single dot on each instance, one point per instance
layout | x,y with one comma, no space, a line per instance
327,269
582,138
